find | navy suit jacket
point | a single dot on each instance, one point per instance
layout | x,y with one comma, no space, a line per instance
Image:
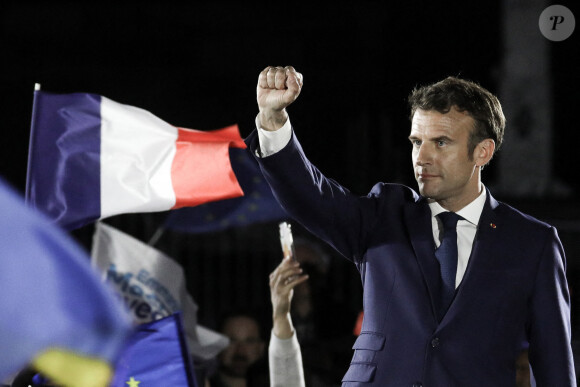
514,287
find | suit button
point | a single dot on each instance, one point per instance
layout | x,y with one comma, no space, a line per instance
418,384
435,342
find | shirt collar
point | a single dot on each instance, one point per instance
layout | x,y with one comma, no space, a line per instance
470,212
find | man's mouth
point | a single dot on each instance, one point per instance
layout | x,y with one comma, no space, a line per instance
425,176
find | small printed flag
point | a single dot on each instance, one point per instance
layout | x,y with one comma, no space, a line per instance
91,158
59,315
156,355
258,205
151,284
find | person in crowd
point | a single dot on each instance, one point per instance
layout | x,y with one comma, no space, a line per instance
452,278
240,363
325,341
284,355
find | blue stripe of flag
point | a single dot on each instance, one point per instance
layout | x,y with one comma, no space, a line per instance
64,127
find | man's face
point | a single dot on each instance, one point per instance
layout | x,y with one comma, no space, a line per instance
245,347
444,170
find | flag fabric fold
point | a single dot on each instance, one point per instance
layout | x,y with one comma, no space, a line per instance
91,158
156,355
258,205
151,284
58,313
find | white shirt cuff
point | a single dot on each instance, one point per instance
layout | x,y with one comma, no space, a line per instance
273,141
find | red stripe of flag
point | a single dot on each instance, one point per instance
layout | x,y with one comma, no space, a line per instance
201,171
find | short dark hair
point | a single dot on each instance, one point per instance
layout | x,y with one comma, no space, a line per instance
465,96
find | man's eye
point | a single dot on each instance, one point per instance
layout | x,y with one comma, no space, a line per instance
441,143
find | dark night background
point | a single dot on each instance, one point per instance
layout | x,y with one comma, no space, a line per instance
195,65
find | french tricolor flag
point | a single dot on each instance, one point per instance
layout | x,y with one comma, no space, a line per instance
91,158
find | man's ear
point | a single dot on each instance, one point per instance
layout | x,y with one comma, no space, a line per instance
484,152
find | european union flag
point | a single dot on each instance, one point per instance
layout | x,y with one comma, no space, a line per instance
59,315
258,204
157,355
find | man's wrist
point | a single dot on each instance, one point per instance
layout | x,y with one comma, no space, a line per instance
274,141
272,120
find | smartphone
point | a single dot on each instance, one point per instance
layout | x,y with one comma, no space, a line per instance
286,240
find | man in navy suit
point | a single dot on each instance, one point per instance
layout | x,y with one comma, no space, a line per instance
453,280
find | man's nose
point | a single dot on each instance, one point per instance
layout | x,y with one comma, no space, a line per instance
423,155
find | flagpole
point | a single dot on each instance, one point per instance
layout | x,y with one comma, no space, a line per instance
27,193
156,236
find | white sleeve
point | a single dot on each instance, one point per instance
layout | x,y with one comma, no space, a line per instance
285,360
273,141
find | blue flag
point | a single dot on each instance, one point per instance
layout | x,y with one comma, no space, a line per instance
157,355
55,306
258,205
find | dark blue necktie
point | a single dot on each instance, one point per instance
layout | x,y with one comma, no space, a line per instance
446,254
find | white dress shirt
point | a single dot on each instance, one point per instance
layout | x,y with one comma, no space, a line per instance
466,230
272,142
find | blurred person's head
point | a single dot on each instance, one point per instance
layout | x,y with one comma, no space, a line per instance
246,345
311,255
315,262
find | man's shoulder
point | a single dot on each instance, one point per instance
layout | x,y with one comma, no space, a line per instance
394,191
517,217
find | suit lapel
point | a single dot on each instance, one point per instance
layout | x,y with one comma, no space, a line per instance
418,222
484,236
481,250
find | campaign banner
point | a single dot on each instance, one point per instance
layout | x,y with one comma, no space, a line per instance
151,285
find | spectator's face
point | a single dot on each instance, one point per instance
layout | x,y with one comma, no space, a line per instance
444,170
246,346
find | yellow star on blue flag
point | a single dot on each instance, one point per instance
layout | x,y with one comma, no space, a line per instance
132,382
